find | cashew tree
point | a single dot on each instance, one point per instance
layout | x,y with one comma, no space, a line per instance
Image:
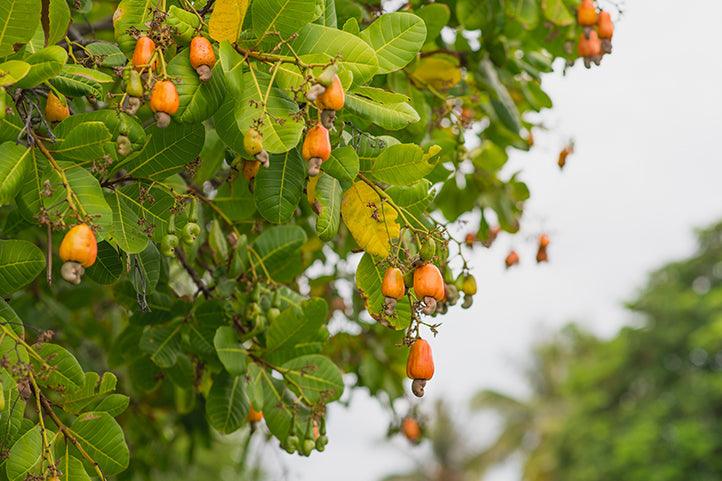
217,215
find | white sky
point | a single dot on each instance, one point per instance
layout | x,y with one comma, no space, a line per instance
647,170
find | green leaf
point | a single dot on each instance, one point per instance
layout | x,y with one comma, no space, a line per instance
343,165
278,249
12,71
25,455
77,81
328,13
102,438
44,64
501,100
146,270
163,343
227,405
282,16
404,164
415,199
207,318
556,12
84,144
198,100
281,129
153,206
236,200
166,151
131,13
106,54
230,351
314,378
435,16
280,186
108,265
18,21
126,231
369,276
74,470
20,262
11,416
113,121
396,38
319,44
382,108
14,164
63,370
86,188
328,198
296,332
185,23
92,389
526,12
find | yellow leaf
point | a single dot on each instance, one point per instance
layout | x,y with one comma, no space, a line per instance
227,19
440,72
371,221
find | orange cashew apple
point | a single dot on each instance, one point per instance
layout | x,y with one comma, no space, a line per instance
203,58
429,286
164,101
78,251
316,148
143,53
254,416
56,109
393,288
419,366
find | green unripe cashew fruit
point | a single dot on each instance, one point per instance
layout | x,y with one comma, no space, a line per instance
273,313
191,231
291,444
134,84
168,245
308,446
468,285
428,249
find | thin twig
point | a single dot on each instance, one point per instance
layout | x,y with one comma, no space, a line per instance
191,272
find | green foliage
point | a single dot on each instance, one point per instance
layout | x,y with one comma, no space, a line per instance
192,333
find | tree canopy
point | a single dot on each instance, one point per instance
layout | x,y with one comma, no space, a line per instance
221,180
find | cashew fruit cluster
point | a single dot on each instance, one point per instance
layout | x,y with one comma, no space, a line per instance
596,38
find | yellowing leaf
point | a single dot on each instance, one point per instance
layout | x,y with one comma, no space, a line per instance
440,72
372,222
227,19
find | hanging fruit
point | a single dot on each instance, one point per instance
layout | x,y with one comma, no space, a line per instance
250,171
56,108
143,54
605,30
170,240
411,429
392,288
587,15
427,251
191,230
429,286
203,58
541,253
511,259
331,101
253,143
565,152
491,236
590,49
316,148
469,240
164,101
419,366
78,251
254,416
